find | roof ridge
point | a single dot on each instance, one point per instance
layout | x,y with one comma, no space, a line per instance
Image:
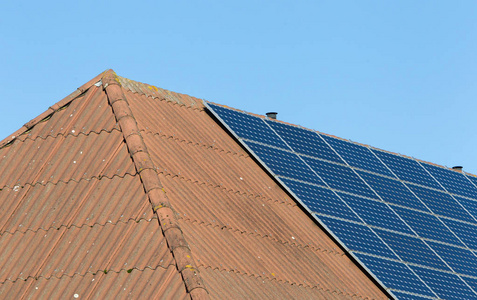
52,109
153,187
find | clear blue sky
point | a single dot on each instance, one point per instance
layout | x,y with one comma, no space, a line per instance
398,75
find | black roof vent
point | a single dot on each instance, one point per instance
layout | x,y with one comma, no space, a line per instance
457,168
272,115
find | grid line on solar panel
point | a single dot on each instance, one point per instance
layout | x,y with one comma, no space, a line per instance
401,295
420,253
392,191
357,156
247,126
466,232
441,203
411,264
339,177
462,261
320,199
472,282
376,213
428,226
395,275
406,169
357,237
472,179
284,163
447,286
454,182
303,141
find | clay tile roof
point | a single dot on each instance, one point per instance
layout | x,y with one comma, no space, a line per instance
126,190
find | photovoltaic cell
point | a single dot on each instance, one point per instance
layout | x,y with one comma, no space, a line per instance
357,237
407,169
472,282
454,182
412,249
339,177
427,226
447,286
357,156
375,213
305,141
406,296
461,260
473,179
248,127
392,191
469,205
466,232
320,200
395,275
441,203
285,163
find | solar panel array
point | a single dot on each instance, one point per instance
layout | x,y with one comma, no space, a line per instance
411,224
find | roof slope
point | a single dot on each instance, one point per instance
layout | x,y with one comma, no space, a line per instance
126,190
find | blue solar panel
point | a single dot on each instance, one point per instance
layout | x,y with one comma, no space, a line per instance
305,141
339,177
407,296
285,163
248,127
392,191
427,226
447,286
470,205
454,182
357,237
375,213
472,178
466,232
395,275
407,169
357,156
320,200
461,260
441,203
472,282
425,219
419,253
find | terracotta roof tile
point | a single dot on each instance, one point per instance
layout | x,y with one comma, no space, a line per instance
71,119
86,202
158,283
43,161
81,250
143,183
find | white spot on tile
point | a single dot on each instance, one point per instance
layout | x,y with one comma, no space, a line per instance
76,295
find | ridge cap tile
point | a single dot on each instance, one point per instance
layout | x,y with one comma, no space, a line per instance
159,202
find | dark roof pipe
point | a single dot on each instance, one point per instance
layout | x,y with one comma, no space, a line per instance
272,115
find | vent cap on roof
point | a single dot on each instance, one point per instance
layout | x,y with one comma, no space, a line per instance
457,168
272,115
